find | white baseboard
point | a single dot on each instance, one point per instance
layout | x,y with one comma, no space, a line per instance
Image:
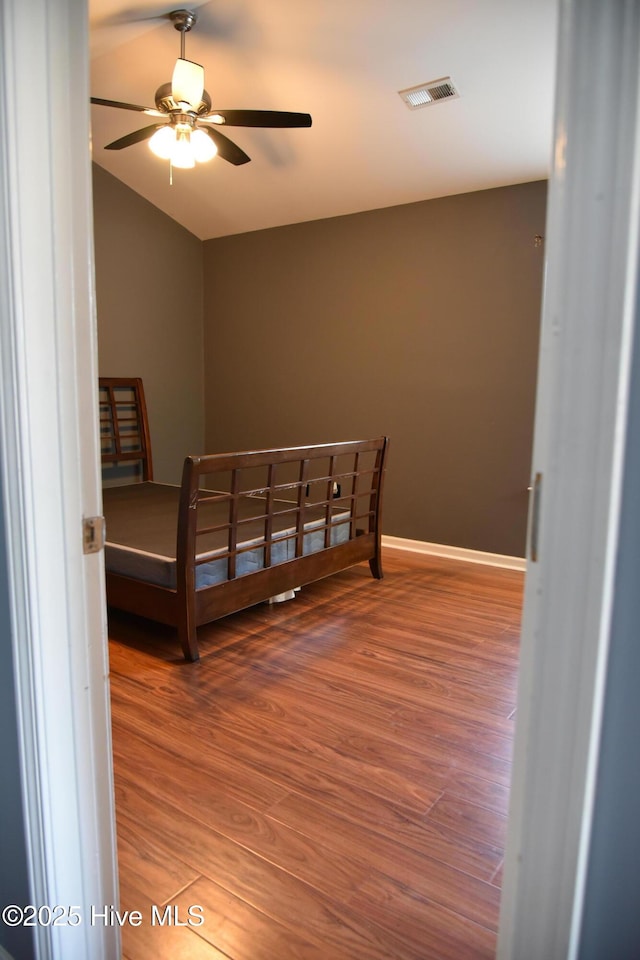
454,553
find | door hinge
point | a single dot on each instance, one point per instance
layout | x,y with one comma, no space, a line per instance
92,534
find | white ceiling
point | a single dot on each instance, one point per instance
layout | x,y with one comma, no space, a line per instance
343,62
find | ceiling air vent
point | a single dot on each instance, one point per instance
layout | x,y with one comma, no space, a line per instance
435,91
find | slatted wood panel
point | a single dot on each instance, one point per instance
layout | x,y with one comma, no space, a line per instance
124,428
330,781
286,483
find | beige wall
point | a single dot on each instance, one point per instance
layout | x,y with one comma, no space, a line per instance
418,321
149,306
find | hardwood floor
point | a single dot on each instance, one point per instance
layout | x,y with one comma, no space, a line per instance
330,781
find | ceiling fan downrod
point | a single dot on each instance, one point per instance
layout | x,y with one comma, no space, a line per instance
183,20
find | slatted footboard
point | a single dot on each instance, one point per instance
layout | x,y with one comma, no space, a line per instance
319,512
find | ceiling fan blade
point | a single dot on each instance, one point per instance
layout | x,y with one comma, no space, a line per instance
127,106
135,137
227,149
263,118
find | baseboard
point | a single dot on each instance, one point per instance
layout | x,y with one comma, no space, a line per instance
454,553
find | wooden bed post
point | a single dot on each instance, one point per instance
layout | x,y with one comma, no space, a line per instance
375,563
185,559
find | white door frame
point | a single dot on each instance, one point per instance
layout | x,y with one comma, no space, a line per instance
579,447
49,457
49,460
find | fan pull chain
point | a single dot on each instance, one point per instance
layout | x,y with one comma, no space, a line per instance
170,174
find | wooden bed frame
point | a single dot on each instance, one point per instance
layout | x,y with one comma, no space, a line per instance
341,481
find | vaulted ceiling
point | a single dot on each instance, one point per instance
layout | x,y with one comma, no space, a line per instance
342,61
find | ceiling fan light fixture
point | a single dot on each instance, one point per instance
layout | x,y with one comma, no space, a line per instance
183,146
204,149
187,84
182,154
163,142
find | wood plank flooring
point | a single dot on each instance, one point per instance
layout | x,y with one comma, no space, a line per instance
330,781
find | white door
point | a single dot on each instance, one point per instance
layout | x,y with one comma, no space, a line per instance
49,460
578,459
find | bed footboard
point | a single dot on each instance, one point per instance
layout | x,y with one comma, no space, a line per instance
299,513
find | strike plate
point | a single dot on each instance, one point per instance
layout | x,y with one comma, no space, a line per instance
92,534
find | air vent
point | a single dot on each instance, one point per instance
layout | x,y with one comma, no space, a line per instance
435,91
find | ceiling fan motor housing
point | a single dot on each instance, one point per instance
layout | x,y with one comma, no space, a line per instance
166,104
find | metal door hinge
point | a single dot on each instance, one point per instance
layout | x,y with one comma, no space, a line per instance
92,534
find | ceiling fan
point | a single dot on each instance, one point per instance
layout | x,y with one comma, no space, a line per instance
189,130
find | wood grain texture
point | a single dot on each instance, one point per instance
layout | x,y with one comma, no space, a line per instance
331,779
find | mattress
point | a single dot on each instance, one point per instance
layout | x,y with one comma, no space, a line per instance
141,524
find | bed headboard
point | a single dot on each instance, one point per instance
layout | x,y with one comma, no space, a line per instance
124,430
